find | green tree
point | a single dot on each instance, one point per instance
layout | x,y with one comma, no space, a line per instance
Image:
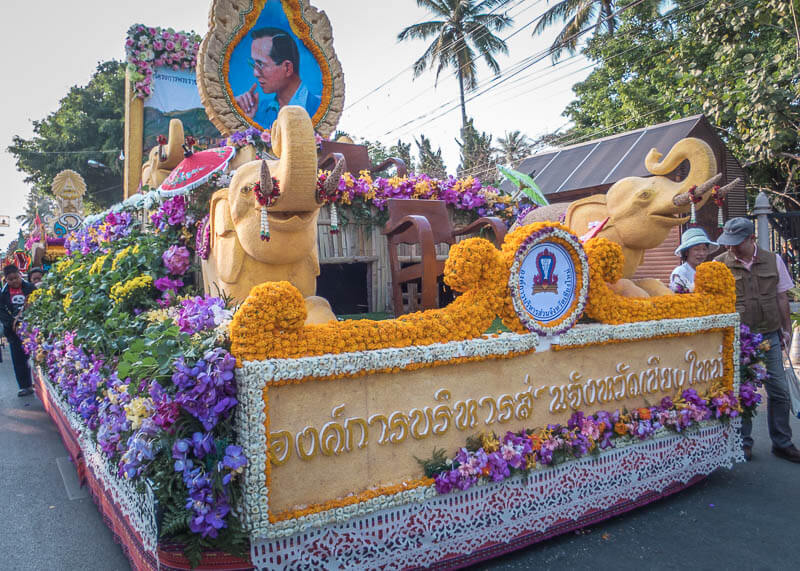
477,154
462,33
513,148
402,151
88,125
36,203
431,163
735,62
577,14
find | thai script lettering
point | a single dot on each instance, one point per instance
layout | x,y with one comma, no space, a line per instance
343,433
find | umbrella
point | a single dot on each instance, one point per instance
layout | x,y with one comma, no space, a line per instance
196,169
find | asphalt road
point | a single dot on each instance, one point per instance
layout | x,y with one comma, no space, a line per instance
745,518
44,528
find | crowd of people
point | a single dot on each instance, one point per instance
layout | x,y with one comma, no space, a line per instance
13,297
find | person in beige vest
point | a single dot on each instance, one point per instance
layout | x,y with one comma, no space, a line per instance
762,281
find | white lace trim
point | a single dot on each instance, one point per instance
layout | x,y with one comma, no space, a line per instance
138,508
458,524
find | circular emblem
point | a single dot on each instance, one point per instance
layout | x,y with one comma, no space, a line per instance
549,281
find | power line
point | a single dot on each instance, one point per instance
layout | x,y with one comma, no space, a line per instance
520,66
447,46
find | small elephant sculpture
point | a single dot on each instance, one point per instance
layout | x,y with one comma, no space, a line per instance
638,213
163,159
239,258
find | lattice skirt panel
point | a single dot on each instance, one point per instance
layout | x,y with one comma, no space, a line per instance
456,529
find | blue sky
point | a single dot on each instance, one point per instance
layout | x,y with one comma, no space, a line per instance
49,46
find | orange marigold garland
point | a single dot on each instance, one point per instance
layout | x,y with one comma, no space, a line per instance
714,291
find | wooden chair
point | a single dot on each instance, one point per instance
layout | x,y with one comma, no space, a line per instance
356,159
425,222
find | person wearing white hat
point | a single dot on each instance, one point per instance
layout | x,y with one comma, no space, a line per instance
694,249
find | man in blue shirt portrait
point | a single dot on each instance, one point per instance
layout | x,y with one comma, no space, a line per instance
276,68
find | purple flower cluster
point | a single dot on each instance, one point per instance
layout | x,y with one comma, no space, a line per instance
177,259
91,238
139,452
202,240
172,212
209,506
148,48
198,313
207,390
250,136
463,194
497,460
111,418
77,375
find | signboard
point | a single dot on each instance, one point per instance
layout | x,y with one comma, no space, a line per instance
549,281
175,96
329,438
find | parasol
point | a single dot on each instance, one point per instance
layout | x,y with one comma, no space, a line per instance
195,169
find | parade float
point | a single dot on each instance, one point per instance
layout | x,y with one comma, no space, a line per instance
223,418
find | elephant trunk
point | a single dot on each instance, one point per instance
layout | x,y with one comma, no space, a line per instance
685,198
703,164
294,143
174,151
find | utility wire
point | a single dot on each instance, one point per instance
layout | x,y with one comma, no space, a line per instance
404,70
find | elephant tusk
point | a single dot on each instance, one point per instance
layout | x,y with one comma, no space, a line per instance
332,182
265,179
683,198
723,190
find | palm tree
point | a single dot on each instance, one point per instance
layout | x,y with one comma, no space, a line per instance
576,14
462,33
514,147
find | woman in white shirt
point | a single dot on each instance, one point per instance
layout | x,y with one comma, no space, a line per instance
694,249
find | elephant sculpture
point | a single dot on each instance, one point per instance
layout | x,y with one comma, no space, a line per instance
164,158
239,258
638,213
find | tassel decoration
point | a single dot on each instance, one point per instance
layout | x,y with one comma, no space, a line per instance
266,191
162,141
334,219
695,199
719,199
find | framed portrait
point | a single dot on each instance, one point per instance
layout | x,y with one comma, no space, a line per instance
260,55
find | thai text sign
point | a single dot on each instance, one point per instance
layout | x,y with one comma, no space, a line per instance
331,438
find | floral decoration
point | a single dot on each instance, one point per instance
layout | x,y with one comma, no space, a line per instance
147,48
145,365
493,457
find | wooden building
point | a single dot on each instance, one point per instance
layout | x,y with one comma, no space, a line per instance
580,170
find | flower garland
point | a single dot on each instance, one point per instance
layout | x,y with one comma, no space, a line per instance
714,290
466,194
270,323
147,48
490,457
202,240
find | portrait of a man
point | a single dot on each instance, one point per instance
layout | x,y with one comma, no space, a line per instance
275,63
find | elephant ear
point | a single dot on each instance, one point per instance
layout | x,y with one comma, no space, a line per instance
227,254
585,212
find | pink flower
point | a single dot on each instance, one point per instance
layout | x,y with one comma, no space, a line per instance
266,136
170,45
177,260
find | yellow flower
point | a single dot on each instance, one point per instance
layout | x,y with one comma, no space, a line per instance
120,256
36,294
67,302
64,265
98,264
121,290
139,409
